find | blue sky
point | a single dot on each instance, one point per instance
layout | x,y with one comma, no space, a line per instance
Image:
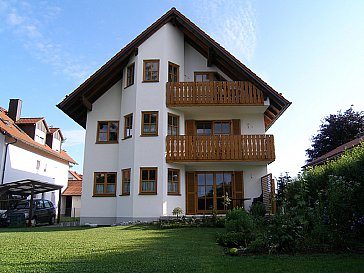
311,51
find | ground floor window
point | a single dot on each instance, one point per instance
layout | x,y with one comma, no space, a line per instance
125,187
104,183
173,182
148,180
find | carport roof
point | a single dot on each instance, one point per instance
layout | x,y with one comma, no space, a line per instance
24,187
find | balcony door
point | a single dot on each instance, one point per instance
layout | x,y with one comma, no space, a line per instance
213,128
206,190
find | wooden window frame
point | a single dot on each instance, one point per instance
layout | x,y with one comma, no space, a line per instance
211,75
128,125
130,76
141,192
157,61
172,125
104,194
143,124
108,132
123,181
173,65
212,126
178,172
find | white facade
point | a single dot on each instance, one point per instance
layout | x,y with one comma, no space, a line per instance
27,163
166,45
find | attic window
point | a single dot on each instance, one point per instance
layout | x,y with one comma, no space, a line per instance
151,71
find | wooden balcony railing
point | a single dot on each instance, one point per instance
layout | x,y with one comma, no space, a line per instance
213,93
220,148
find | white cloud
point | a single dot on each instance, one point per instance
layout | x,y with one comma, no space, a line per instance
73,138
27,22
232,23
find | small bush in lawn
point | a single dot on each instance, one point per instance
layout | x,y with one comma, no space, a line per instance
231,239
257,246
238,220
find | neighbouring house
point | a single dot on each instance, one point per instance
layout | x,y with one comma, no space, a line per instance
71,197
29,149
173,120
335,153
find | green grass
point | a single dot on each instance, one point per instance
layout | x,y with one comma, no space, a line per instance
145,249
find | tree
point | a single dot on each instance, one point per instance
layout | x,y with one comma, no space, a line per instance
335,131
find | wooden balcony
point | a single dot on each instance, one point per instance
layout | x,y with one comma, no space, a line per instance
213,93
220,148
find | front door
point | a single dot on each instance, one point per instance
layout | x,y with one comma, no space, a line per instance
211,188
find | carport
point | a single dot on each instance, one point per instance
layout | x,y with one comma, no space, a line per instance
30,187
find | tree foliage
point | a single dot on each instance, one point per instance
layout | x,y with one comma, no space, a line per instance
335,131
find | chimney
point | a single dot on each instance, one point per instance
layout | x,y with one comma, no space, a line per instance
14,109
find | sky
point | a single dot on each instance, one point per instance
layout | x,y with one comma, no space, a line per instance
310,51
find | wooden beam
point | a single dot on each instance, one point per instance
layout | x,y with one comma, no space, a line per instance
210,56
86,103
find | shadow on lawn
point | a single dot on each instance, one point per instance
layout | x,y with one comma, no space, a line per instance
158,251
42,229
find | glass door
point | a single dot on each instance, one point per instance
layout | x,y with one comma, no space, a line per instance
211,188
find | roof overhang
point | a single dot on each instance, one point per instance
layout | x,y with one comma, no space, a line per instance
27,186
80,101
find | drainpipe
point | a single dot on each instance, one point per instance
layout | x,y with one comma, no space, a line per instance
6,153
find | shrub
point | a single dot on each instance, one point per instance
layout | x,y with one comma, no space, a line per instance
258,209
231,239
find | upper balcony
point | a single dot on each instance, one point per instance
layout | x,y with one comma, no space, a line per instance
213,93
227,148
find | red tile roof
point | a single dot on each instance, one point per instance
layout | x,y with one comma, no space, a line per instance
8,127
76,175
28,120
336,152
74,188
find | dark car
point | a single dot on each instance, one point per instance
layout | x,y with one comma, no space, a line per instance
43,211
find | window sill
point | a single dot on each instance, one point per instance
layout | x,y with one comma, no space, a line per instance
128,85
149,135
174,194
147,193
106,142
104,195
124,194
127,137
150,81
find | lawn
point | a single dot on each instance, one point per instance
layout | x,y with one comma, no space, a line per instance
145,249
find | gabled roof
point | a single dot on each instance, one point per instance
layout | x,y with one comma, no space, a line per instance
76,175
11,129
53,130
74,188
80,100
336,152
32,121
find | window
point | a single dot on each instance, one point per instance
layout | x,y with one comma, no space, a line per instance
130,75
149,123
107,132
208,77
173,182
128,125
151,71
38,165
209,128
104,184
125,188
148,180
173,125
173,72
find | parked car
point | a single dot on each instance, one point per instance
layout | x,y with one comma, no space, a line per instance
43,211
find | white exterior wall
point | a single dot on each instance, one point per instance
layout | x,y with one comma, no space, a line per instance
100,157
166,45
40,136
56,144
22,164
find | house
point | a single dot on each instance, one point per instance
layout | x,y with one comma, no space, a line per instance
71,197
30,150
335,153
172,120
